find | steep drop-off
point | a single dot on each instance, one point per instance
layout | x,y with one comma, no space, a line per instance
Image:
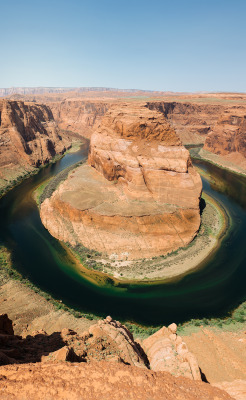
192,122
29,137
228,138
140,195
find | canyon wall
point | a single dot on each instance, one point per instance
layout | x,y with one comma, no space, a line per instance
77,115
220,128
228,138
29,137
138,197
192,122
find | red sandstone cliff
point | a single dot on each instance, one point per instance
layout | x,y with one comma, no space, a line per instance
228,138
221,127
192,122
77,115
29,137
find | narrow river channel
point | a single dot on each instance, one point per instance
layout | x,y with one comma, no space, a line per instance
212,291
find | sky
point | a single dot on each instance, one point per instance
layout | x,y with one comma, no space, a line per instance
175,45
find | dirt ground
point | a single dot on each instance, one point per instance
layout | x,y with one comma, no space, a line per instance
30,312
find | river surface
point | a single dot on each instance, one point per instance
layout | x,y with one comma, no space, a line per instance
212,291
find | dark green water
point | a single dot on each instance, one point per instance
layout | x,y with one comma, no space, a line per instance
214,290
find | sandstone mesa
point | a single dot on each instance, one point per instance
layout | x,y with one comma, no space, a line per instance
139,194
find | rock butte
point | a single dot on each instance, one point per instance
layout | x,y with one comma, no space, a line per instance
139,194
104,362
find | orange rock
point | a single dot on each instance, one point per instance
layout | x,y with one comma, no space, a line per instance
77,115
228,137
166,354
129,205
110,381
29,137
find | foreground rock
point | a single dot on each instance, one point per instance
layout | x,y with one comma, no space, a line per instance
96,381
140,199
236,389
103,361
166,351
107,340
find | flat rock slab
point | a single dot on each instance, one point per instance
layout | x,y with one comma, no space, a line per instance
85,189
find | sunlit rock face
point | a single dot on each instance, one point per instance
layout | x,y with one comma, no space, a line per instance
228,137
78,116
138,148
138,197
29,137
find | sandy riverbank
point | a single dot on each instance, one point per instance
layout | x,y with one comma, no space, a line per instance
225,162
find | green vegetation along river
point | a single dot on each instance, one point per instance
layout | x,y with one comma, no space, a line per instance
211,291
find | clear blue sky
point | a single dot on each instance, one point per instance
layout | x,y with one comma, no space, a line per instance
176,45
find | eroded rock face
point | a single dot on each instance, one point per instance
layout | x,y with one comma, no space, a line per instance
138,148
166,351
107,340
140,199
228,137
221,127
77,115
29,137
65,365
192,122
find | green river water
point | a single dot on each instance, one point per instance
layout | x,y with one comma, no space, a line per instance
212,291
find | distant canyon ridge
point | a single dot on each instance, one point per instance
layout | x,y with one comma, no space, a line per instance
139,181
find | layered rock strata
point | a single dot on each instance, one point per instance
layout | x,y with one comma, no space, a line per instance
166,351
140,195
228,138
192,122
77,115
29,137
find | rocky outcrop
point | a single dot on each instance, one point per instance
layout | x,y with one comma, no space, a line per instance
228,137
77,115
96,381
29,137
166,351
103,361
107,340
140,199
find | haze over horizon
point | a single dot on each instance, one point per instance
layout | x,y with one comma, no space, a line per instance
182,47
